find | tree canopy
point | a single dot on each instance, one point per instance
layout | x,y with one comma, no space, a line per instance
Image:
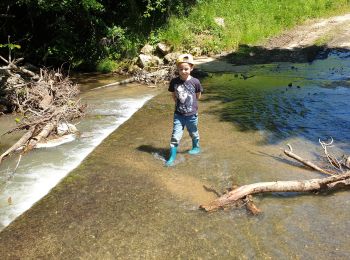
81,32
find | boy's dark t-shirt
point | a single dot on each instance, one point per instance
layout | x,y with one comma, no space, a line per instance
186,101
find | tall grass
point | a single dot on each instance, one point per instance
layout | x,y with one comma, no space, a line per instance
245,21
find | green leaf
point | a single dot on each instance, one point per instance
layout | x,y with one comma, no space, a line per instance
11,46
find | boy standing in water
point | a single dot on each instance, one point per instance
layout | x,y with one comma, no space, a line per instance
186,91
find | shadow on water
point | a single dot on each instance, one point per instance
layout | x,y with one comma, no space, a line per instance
280,159
162,152
307,97
249,55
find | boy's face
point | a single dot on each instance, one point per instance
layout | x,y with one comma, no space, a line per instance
184,70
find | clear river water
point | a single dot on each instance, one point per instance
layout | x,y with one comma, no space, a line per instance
248,113
42,169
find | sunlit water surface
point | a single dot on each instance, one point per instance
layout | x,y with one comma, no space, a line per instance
40,170
268,105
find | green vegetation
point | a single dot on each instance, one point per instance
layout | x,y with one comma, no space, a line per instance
81,33
323,40
90,34
245,22
106,65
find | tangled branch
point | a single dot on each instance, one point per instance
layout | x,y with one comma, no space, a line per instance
43,100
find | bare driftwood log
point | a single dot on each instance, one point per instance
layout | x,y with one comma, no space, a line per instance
46,130
305,162
232,198
278,186
161,74
122,82
21,142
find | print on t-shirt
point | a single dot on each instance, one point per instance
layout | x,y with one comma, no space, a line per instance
185,94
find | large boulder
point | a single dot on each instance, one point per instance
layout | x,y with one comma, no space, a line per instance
156,61
145,61
147,49
171,57
163,49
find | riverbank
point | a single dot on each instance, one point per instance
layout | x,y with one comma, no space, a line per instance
304,43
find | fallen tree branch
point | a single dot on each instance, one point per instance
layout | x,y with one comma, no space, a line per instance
305,162
21,142
251,207
243,193
278,186
126,81
46,130
143,76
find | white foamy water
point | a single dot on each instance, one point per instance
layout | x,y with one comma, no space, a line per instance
40,170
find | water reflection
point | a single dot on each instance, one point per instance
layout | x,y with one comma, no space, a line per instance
286,100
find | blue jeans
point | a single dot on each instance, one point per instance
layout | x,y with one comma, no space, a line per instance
180,122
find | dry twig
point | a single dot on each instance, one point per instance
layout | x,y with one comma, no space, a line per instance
44,100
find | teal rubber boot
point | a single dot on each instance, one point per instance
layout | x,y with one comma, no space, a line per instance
170,161
195,147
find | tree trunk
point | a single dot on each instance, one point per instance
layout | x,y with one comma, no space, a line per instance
43,134
233,196
19,143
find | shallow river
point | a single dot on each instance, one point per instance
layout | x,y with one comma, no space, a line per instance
248,113
42,169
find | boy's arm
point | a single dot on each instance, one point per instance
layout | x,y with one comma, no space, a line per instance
199,90
173,95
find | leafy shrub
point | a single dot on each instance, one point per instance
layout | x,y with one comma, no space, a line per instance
106,65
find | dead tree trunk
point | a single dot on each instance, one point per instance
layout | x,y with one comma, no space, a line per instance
21,142
241,194
278,186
